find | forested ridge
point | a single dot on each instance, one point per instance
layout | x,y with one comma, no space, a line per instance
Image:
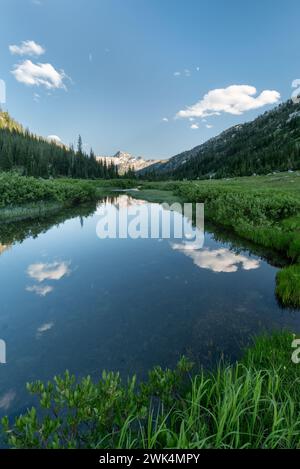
269,143
30,155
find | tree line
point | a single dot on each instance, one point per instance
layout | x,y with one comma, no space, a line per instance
30,155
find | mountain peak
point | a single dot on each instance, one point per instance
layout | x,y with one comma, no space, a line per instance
126,161
123,154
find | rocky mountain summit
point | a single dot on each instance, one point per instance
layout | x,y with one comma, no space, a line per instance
125,162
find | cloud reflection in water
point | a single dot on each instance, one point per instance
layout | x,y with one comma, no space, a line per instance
217,260
42,271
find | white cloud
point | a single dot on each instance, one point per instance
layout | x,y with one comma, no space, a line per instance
30,48
209,126
54,271
165,119
177,74
54,138
40,290
217,260
45,327
39,75
236,99
194,126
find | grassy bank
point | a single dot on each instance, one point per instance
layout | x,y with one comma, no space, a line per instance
27,197
261,209
251,404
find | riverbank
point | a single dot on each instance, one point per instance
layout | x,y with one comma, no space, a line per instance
261,209
251,404
24,198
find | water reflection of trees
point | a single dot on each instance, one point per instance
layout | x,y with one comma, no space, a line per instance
18,231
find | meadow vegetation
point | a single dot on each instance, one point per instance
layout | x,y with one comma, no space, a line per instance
28,197
251,404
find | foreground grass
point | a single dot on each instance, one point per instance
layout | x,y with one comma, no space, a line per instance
261,209
252,404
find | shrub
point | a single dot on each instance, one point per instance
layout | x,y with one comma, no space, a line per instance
19,190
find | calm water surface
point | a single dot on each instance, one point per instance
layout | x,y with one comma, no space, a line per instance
70,300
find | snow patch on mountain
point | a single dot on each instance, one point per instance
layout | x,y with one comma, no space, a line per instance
125,161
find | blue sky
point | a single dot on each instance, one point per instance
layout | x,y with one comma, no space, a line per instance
120,71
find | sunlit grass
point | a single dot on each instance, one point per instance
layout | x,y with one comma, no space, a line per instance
288,285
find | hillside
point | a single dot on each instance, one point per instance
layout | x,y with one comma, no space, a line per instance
6,122
271,142
126,162
31,155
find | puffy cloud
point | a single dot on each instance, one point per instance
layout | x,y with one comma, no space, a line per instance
30,48
39,75
217,260
235,99
209,126
54,271
194,126
165,119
